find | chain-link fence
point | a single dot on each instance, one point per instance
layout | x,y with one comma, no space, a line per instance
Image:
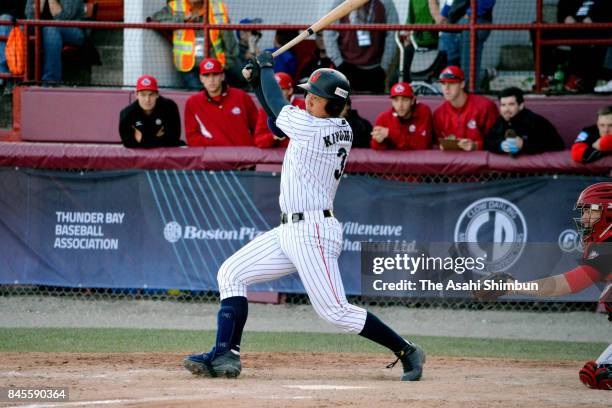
126,39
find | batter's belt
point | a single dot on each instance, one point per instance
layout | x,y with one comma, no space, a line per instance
296,217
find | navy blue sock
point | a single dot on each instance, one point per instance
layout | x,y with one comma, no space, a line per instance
375,330
240,305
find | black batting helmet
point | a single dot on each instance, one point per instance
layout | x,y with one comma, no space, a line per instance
331,85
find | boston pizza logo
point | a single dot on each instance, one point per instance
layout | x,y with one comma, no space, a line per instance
209,65
146,82
471,124
492,228
411,128
399,88
236,110
315,77
173,232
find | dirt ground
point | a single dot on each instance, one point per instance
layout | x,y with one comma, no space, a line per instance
298,380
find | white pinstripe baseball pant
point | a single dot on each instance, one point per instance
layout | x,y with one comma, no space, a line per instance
311,247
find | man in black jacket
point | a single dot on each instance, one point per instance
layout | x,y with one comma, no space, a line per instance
152,120
519,130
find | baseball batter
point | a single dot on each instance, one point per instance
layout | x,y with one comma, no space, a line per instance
309,238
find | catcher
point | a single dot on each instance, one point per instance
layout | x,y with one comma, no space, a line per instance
595,229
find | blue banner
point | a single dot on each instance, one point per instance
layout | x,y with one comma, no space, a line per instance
173,229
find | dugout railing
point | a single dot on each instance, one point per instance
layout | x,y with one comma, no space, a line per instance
538,27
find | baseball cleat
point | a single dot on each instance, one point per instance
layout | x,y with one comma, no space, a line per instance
412,357
214,364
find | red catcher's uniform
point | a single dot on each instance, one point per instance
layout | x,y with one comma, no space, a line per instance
405,134
596,267
263,135
472,121
583,150
226,121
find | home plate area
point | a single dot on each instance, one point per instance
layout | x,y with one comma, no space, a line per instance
297,380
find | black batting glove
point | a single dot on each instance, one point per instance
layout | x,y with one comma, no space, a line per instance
265,59
251,71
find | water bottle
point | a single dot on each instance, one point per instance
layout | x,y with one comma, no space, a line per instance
559,78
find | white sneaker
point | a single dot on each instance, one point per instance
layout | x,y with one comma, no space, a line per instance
604,88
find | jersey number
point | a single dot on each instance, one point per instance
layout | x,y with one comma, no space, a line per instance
341,153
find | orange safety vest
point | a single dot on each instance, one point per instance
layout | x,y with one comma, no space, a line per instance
184,41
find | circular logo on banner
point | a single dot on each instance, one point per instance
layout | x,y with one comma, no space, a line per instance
173,232
569,241
492,228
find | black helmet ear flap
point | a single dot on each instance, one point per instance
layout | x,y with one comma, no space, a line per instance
334,107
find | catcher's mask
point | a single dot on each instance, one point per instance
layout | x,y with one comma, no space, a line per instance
595,208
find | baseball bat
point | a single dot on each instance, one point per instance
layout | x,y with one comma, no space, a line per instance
336,14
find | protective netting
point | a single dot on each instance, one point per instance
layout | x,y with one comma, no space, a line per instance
176,295
116,56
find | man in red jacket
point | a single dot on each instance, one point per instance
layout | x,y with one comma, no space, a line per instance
263,135
463,117
594,142
219,115
406,126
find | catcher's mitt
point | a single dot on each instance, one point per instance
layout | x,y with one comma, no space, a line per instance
489,294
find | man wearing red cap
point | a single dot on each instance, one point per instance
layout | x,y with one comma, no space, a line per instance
463,117
219,115
263,135
406,126
152,120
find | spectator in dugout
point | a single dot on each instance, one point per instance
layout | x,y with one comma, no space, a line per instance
364,56
263,135
286,62
406,126
152,120
219,115
463,120
362,129
520,130
55,38
594,142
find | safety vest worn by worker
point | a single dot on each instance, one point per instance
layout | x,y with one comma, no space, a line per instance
184,50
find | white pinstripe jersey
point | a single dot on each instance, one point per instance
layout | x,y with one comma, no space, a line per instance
314,161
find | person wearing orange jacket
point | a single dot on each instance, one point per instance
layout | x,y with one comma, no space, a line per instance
263,135
594,142
463,117
219,115
406,126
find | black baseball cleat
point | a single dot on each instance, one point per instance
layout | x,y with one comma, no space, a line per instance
412,357
214,364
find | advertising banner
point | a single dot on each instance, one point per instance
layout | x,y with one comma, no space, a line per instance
173,229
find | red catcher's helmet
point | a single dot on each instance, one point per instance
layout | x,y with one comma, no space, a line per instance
597,197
